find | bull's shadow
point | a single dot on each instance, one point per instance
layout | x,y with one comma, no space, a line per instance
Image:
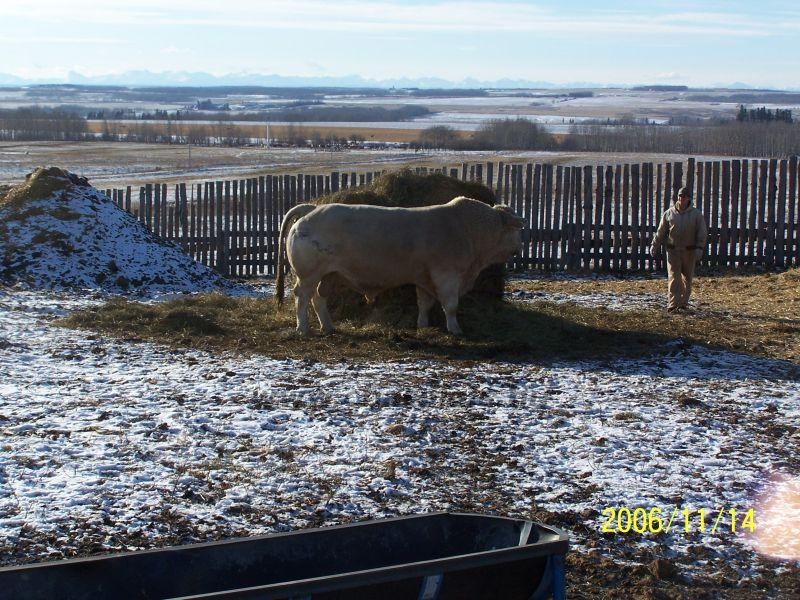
547,333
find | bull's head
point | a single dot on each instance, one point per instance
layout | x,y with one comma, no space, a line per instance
511,233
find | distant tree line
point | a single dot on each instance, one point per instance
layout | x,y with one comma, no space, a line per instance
660,88
299,113
39,123
748,97
763,114
731,138
448,93
497,134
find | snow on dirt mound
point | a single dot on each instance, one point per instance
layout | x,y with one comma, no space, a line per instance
57,231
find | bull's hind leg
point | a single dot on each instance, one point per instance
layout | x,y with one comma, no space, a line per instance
303,291
425,302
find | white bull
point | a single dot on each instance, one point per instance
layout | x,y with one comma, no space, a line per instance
439,249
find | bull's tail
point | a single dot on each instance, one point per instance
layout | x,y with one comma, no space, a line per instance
301,210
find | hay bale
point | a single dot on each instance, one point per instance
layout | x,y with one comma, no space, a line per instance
407,189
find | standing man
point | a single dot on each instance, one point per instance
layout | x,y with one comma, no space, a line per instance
684,230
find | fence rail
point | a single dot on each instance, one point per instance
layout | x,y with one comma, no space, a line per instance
591,218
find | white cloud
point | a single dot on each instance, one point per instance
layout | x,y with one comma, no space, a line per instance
671,76
175,50
394,16
72,40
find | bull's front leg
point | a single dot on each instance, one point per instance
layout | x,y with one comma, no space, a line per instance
425,302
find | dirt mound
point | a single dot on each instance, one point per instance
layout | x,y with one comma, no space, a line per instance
57,231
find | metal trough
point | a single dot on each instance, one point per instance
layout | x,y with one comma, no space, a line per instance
436,556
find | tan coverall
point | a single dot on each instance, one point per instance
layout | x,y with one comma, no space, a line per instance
685,233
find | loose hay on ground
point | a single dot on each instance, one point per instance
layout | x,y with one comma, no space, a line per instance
539,331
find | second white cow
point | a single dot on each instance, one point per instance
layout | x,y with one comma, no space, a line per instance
439,249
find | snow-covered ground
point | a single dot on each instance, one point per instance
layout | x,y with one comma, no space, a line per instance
109,444
99,438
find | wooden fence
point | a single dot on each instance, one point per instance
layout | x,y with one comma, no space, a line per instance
590,218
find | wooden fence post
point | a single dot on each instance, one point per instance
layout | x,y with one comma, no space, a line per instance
222,257
637,252
626,225
677,180
547,221
526,214
193,224
724,212
183,216
270,255
793,236
752,217
608,194
780,215
762,210
498,194
616,237
536,220
707,203
556,233
736,182
771,201
148,205
714,224
262,224
653,214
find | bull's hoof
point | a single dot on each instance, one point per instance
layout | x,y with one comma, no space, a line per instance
302,332
328,330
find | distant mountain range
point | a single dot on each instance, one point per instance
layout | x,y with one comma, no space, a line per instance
200,79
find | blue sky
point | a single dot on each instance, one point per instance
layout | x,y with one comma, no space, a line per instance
689,43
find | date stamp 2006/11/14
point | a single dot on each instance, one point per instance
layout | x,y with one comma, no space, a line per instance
653,520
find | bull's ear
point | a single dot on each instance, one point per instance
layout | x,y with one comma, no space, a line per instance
508,218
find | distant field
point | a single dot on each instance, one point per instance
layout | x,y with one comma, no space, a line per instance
397,133
120,164
117,164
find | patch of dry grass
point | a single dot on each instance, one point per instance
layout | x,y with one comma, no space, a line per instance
761,324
